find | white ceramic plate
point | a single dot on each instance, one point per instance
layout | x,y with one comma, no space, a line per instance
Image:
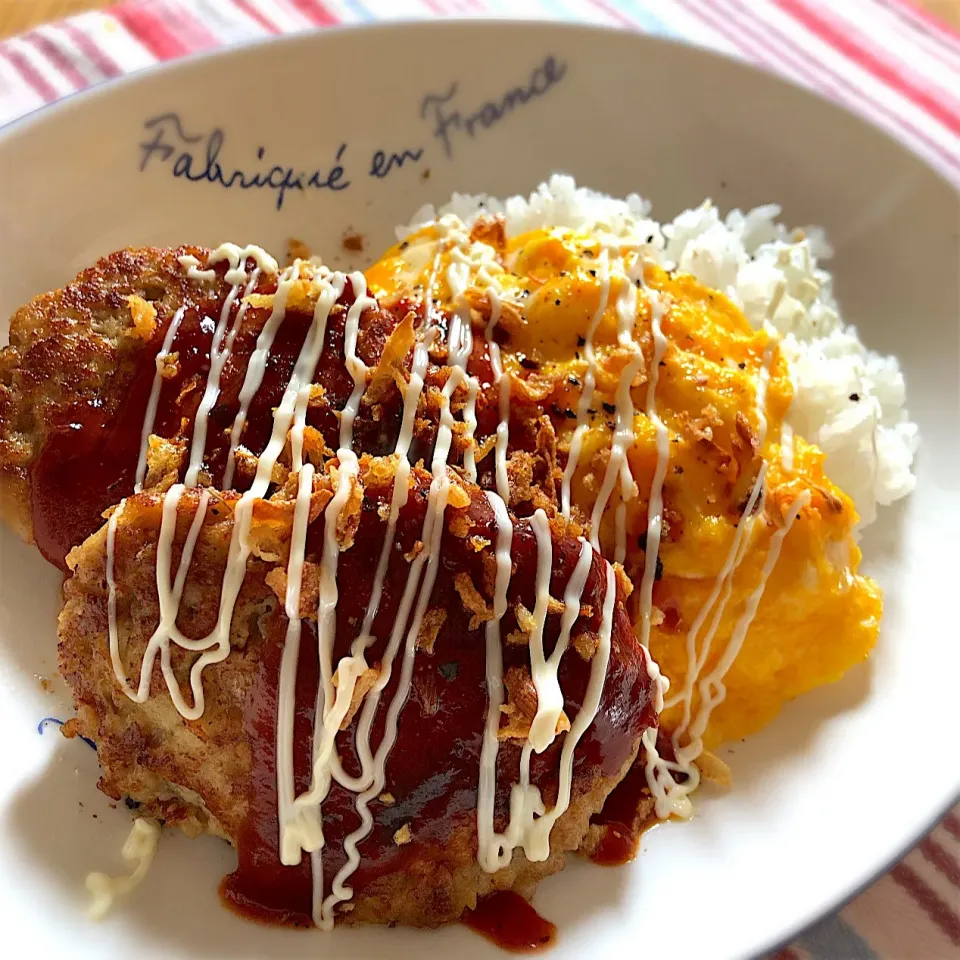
826,796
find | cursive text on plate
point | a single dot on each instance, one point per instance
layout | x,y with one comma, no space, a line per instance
197,158
168,142
449,119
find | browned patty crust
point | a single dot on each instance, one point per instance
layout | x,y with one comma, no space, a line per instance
217,773
76,379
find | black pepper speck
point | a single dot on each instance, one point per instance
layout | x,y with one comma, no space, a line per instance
450,670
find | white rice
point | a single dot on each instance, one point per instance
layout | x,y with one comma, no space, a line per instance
869,441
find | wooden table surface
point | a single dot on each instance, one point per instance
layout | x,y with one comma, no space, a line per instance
18,15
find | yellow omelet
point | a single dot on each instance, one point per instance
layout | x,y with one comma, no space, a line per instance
755,597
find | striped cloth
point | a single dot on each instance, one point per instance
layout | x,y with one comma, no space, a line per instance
885,59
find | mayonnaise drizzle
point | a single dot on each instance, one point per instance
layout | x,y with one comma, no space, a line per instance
290,846
150,416
723,584
489,843
526,803
549,698
655,504
355,366
712,690
305,828
502,379
219,354
589,382
672,796
494,850
373,769
365,637
724,580
624,434
192,265
530,823
237,256
216,645
429,556
257,365
332,702
138,849
716,601
538,844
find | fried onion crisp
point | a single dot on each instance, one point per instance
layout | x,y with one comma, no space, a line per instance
457,498
276,580
525,619
460,524
473,600
624,583
430,626
361,688
349,517
144,315
586,643
168,365
521,706
714,770
389,372
164,460
492,231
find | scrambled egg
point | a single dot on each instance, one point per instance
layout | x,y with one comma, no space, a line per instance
816,617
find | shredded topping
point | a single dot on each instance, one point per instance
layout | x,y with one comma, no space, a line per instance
138,850
473,600
144,315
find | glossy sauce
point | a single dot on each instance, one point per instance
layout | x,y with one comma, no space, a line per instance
627,813
89,459
262,888
511,923
618,845
432,769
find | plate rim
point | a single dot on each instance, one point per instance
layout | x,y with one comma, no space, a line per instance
51,112
405,24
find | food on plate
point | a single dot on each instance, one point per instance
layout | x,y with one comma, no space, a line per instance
448,568
221,739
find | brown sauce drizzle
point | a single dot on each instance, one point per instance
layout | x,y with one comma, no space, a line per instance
89,462
262,888
628,811
432,770
511,923
618,845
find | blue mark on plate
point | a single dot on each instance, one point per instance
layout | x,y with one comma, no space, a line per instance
42,725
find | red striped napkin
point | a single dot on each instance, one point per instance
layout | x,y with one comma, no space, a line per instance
885,59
